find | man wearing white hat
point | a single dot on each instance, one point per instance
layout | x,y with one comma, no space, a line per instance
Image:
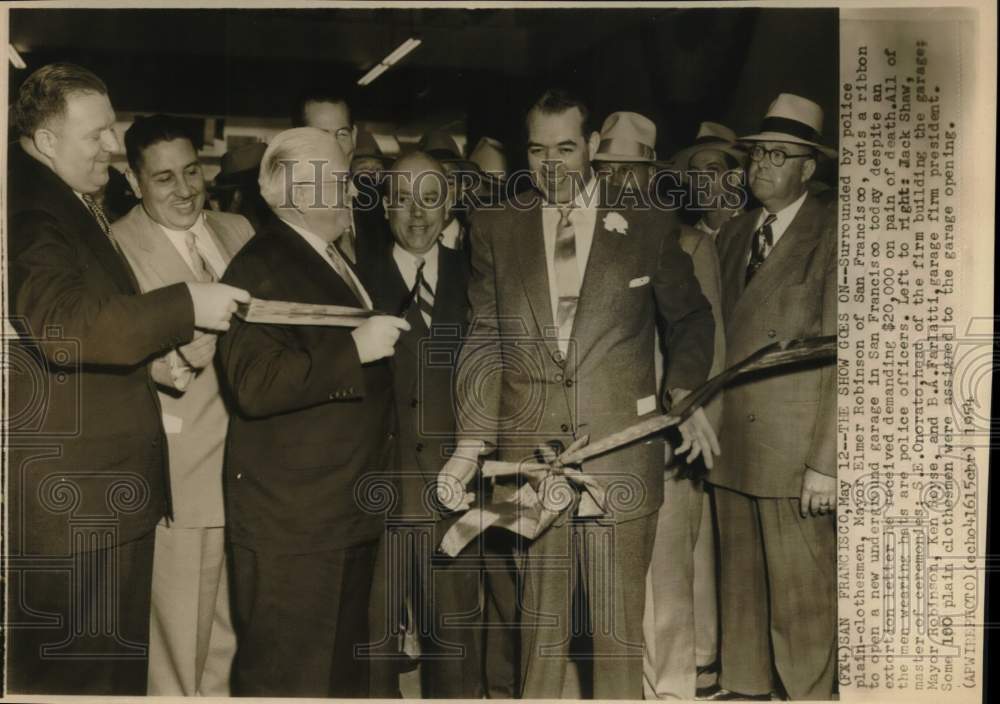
714,154
674,612
776,478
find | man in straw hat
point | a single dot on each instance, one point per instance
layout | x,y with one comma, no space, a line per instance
680,592
776,479
716,161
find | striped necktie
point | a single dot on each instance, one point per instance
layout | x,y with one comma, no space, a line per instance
763,241
567,277
425,294
202,271
341,267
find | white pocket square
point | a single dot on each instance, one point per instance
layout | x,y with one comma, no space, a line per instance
636,283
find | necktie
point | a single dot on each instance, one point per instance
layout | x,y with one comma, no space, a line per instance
341,267
347,247
425,294
202,271
97,210
763,240
567,277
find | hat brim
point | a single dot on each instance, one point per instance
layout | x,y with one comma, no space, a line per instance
682,159
629,159
791,139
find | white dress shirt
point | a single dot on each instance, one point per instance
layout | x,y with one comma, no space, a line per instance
407,264
782,219
319,244
451,235
583,216
205,243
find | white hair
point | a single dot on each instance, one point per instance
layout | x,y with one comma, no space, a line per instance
301,144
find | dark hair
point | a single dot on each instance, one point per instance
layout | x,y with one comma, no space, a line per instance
149,130
316,95
559,100
42,96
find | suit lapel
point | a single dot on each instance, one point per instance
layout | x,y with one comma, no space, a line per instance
534,271
798,240
597,286
228,241
163,260
315,268
737,251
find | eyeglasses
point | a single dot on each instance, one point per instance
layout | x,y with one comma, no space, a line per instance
775,156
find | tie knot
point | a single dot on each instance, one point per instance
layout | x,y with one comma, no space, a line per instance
564,213
771,217
192,238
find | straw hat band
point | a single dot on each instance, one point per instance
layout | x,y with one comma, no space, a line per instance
791,127
626,148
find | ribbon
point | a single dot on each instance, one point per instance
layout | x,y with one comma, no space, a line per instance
552,486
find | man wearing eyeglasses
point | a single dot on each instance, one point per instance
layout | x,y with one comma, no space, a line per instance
776,477
330,112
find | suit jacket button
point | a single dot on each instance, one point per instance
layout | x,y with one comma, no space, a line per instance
413,403
751,417
569,383
239,475
771,333
558,377
564,428
420,447
558,357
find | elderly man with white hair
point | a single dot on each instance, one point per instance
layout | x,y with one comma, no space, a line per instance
312,433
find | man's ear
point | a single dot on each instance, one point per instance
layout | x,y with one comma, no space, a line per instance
385,206
593,143
133,182
808,169
45,141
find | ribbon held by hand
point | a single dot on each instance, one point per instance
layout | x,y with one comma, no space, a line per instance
552,486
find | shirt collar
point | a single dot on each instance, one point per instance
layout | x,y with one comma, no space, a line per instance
783,218
198,228
317,242
430,257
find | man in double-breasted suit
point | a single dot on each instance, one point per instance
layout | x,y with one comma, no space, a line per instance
776,476
169,238
565,294
311,442
87,459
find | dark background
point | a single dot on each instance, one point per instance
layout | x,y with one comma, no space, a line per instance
474,73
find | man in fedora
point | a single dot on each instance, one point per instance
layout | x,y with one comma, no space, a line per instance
714,166
775,481
368,157
680,583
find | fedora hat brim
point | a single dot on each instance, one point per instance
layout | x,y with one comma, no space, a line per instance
791,139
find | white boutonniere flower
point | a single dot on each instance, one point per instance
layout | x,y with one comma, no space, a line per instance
614,222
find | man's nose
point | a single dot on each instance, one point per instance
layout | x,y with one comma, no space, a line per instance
184,188
109,141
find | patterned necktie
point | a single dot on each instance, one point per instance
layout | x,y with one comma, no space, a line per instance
342,268
97,210
567,277
347,246
763,240
202,271
425,294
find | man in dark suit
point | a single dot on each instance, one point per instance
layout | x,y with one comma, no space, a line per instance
776,479
427,283
311,442
565,294
87,456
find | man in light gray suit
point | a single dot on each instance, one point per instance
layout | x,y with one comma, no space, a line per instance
169,238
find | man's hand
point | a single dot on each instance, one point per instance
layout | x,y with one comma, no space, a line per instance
697,434
198,353
818,493
376,337
214,304
455,475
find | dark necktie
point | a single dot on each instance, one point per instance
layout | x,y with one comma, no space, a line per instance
567,277
97,210
341,267
763,240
